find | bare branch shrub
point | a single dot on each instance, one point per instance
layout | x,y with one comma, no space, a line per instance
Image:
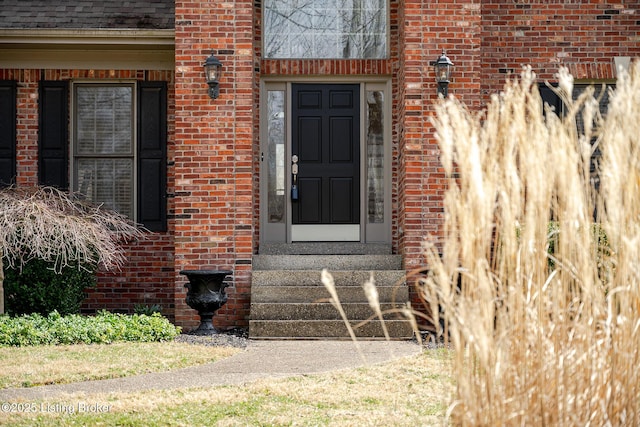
541,338
49,224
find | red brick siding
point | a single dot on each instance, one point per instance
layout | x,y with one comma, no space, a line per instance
214,157
325,67
27,126
147,276
256,46
215,212
146,279
585,36
428,28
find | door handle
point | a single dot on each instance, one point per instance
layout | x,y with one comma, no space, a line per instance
294,178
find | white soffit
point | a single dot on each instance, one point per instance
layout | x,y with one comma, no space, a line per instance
87,49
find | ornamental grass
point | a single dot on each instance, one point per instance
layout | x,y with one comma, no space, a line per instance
536,275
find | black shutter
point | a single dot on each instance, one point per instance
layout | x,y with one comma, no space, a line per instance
152,154
549,97
7,132
53,136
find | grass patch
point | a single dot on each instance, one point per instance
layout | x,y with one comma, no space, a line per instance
406,392
70,363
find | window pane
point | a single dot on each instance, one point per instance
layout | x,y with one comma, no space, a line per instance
375,156
275,155
108,181
103,162
104,120
325,29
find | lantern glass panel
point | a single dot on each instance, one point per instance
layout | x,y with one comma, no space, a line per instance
442,72
212,72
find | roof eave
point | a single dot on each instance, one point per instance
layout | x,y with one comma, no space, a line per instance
83,37
87,49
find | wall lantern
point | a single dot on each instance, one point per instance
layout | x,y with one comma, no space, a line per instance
443,67
212,71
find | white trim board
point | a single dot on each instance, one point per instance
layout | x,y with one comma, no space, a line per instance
87,49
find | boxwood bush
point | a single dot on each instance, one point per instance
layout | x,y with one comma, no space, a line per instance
104,328
38,288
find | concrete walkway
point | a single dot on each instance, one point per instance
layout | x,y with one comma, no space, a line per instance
261,359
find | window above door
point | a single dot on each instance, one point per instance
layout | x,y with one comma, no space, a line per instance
325,29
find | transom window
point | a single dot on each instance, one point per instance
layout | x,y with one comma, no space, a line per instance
353,29
103,149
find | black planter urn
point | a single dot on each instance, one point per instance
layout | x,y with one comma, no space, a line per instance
206,295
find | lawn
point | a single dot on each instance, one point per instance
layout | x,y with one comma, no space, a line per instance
405,392
38,365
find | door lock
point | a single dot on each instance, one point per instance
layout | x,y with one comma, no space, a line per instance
294,178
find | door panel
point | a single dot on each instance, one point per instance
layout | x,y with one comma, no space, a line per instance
310,142
342,98
341,149
309,98
325,137
312,190
342,197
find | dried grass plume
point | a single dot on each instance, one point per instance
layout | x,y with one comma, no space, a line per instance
537,274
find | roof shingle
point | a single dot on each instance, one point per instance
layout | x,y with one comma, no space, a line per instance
87,14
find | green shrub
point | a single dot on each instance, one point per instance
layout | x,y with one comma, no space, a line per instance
147,309
104,328
37,288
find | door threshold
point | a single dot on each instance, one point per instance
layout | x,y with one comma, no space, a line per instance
325,233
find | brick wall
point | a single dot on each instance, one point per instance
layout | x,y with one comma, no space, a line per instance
427,28
214,163
487,41
584,36
213,169
147,277
27,125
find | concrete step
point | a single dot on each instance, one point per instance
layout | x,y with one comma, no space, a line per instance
330,262
325,248
313,277
314,294
320,311
289,300
326,329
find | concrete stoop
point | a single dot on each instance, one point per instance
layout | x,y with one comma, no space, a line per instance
289,300
327,329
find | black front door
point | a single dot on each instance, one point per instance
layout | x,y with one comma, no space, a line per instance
325,139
